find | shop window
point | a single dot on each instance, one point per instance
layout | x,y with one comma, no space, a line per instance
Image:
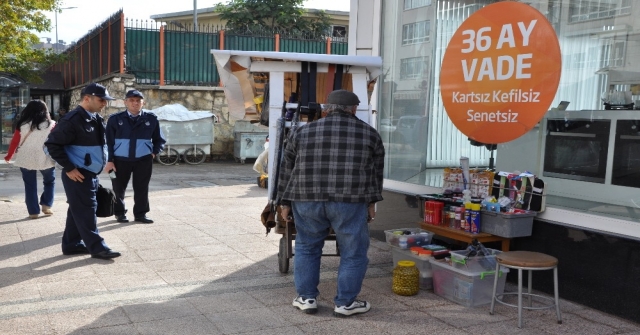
585,10
416,32
414,68
411,4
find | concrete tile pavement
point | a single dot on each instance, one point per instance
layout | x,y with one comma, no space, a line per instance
206,267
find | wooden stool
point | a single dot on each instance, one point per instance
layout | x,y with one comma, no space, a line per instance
532,261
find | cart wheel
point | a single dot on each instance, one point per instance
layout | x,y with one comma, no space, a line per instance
283,260
194,157
168,157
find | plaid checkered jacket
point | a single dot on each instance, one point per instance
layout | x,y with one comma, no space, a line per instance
337,158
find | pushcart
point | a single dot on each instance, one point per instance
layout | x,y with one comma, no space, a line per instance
189,136
323,74
190,154
285,250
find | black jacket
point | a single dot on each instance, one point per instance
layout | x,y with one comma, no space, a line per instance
78,141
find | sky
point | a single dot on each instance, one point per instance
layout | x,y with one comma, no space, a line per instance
77,22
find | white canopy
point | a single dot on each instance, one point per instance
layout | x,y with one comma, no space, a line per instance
235,67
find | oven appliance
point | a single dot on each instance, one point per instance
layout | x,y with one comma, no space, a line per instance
626,155
576,149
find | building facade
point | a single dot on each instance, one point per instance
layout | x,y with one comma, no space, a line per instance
592,201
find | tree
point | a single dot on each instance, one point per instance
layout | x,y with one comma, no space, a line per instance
18,19
272,15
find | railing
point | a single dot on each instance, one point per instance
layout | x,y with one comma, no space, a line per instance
173,54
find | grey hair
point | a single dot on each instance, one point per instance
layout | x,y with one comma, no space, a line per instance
331,107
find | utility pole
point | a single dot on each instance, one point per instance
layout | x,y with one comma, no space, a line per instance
195,15
57,41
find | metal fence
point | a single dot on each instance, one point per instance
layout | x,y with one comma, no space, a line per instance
98,53
172,54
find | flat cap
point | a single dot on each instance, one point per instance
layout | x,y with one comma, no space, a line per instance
343,97
134,93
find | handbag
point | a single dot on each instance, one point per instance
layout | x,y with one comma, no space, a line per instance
106,199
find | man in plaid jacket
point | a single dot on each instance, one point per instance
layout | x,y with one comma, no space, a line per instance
331,177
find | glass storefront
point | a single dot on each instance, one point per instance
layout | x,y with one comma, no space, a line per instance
600,78
14,96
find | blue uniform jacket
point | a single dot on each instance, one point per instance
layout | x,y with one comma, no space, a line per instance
78,141
131,140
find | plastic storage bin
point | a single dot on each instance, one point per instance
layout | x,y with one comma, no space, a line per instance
406,238
466,288
507,225
474,263
423,265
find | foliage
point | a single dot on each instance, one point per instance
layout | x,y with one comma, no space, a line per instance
272,15
19,18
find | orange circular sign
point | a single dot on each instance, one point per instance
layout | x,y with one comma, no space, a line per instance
500,72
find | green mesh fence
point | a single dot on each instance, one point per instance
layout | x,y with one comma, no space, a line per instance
303,46
249,43
143,54
188,58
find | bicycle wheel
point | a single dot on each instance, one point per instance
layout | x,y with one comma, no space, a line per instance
168,157
194,156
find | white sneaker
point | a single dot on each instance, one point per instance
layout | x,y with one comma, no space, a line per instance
356,307
46,210
309,306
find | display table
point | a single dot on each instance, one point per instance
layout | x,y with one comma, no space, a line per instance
459,235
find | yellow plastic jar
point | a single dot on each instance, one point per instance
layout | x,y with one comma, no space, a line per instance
406,278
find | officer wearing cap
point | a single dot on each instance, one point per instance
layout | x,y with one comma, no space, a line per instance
330,178
133,140
77,143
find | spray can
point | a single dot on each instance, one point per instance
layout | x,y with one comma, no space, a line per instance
458,215
466,223
475,218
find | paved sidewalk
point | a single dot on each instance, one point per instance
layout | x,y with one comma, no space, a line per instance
206,267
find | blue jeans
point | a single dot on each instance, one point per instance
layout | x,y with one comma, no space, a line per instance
313,221
30,179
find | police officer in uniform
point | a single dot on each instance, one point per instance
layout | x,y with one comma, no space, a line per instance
77,143
133,140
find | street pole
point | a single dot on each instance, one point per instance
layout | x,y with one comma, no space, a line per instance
195,15
57,41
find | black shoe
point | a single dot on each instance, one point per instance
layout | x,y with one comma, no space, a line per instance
144,219
122,218
106,254
79,250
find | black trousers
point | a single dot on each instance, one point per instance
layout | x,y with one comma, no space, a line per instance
81,225
140,170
